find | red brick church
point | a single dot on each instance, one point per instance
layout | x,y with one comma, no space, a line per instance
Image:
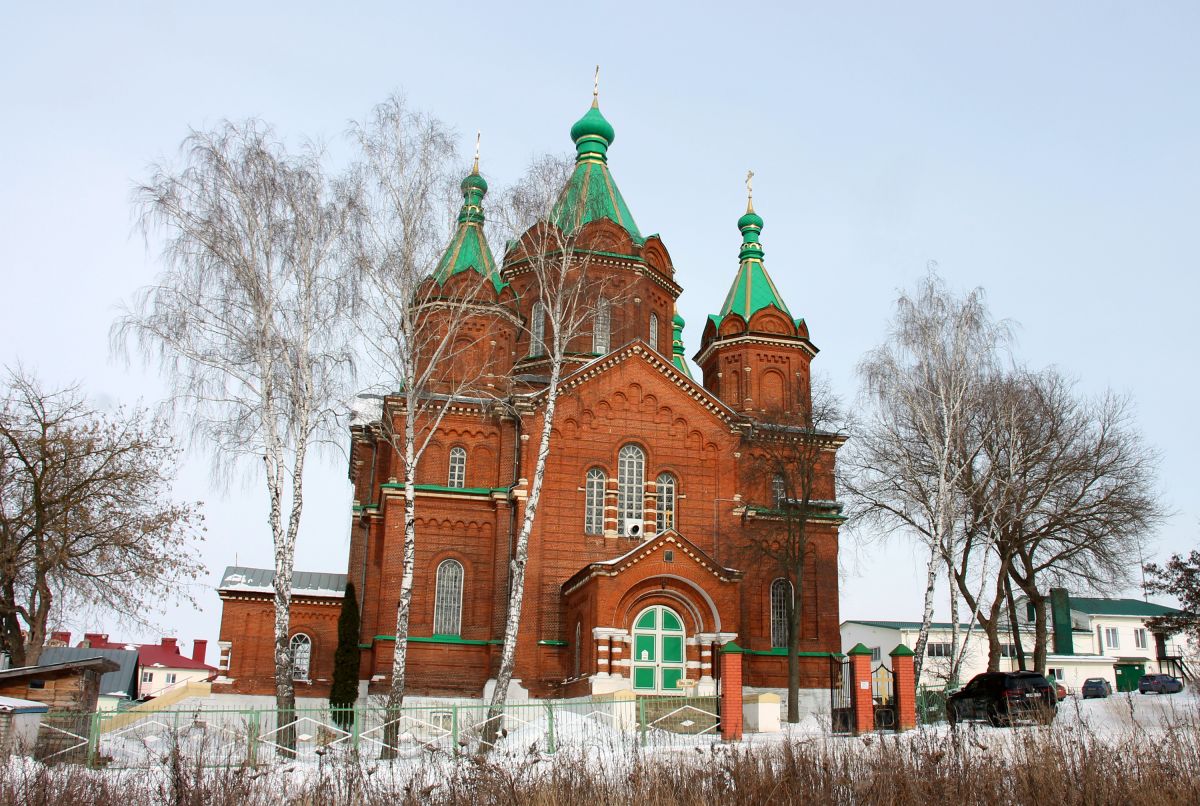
637,572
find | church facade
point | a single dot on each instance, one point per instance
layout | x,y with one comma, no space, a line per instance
640,568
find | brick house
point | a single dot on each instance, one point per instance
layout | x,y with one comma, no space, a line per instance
637,572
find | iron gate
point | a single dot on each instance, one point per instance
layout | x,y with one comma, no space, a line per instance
883,697
840,705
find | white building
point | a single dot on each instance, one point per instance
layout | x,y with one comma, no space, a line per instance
1106,638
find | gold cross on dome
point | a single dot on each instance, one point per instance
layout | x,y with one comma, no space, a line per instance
596,85
749,183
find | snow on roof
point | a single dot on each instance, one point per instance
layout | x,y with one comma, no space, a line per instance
366,409
304,583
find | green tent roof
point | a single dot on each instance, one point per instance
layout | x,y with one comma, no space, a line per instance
752,289
468,249
591,194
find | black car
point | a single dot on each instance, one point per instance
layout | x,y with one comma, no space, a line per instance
1095,687
1002,698
1160,684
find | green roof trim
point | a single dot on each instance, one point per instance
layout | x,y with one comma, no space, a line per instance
442,639
468,249
901,651
858,649
1119,607
546,642
781,652
732,648
438,488
933,625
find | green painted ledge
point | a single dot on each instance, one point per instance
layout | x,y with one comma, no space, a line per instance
437,488
441,639
552,643
781,652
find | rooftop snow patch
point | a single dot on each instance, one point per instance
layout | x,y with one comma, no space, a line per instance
304,583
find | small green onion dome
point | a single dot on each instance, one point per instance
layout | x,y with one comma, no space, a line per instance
678,320
593,124
474,181
750,219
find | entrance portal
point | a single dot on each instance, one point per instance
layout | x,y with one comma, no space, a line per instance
658,656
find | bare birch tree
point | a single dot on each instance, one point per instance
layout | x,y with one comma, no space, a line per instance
409,319
87,519
562,282
909,460
248,320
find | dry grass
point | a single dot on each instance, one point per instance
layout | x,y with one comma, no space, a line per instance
1061,764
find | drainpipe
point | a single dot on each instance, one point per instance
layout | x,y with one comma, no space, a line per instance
365,523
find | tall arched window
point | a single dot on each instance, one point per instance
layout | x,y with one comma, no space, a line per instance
537,330
458,468
631,484
653,331
593,506
301,646
602,327
781,593
778,491
447,599
665,486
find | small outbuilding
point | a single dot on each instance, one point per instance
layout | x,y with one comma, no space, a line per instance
72,685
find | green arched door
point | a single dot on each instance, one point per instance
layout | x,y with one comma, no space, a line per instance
658,651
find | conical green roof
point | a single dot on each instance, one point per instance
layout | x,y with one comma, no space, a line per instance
468,249
677,356
591,194
752,288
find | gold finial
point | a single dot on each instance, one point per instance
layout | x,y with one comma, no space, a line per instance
749,191
596,88
475,167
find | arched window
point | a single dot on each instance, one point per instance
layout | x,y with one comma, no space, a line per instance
593,506
447,599
537,330
602,327
458,468
781,593
653,331
666,502
301,646
778,491
631,483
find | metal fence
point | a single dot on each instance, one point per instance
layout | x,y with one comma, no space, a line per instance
931,704
235,737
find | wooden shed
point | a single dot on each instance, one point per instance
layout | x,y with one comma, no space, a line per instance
68,686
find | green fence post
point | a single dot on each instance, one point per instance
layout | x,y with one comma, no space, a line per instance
93,749
355,728
454,726
252,736
550,727
642,719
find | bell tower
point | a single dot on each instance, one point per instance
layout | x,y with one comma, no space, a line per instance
754,354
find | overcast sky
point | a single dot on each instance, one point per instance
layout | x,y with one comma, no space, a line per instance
1049,156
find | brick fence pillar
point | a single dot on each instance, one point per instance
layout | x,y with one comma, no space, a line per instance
731,692
905,681
861,702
